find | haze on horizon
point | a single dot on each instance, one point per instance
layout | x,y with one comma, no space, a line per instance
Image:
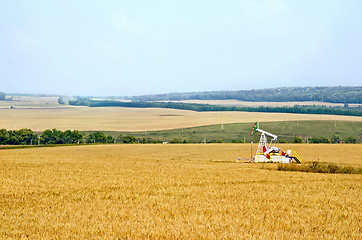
119,48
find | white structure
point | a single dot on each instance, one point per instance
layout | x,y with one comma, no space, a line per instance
268,152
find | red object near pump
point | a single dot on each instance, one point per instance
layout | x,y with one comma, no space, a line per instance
264,149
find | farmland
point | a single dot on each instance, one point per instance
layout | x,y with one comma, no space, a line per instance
137,119
238,103
175,191
41,113
195,191
30,102
286,131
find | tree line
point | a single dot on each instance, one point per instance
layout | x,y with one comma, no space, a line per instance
334,139
54,136
29,137
314,109
18,137
339,94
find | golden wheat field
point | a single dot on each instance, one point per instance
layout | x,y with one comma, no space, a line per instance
41,113
136,119
188,191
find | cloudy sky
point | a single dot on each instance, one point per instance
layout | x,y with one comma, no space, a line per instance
119,47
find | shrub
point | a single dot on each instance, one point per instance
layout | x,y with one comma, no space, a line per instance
351,140
297,139
336,139
320,140
319,167
332,168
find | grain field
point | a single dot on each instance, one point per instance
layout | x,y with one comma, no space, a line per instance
174,192
137,119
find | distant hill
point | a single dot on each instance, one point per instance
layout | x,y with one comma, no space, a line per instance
33,95
338,94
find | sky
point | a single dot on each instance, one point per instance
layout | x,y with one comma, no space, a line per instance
124,48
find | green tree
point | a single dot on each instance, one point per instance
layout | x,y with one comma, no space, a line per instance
2,96
53,136
72,137
129,139
18,137
320,140
60,100
4,136
297,139
76,137
336,139
46,137
26,136
13,140
325,140
91,138
58,136
67,136
97,137
351,140
110,139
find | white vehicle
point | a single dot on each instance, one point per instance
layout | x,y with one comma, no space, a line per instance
267,152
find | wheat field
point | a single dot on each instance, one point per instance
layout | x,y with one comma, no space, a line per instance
41,113
31,102
188,191
137,119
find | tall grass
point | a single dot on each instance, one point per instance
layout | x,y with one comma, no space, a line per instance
320,167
